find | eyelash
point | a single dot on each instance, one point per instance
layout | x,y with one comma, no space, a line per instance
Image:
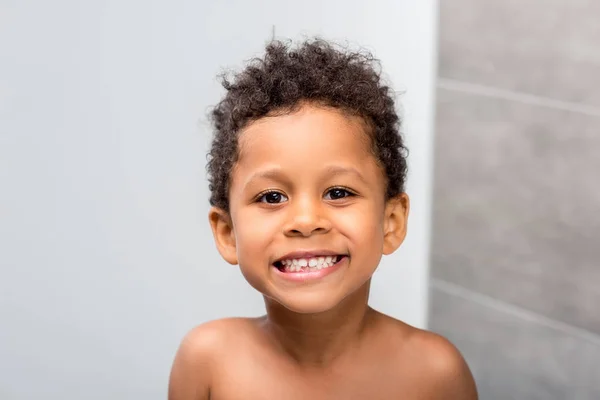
261,195
349,193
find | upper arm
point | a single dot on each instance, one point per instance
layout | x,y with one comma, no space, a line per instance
191,371
451,376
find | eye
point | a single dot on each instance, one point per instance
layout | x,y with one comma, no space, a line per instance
272,197
338,193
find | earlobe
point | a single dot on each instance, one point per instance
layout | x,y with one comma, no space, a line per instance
222,229
395,225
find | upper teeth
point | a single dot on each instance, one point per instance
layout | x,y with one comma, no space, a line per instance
314,263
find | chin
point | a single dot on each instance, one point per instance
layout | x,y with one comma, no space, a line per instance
308,303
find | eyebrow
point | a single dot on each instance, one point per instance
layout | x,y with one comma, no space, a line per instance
339,170
275,174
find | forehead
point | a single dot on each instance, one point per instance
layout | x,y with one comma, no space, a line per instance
310,135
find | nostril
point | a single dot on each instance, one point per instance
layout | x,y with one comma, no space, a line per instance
305,229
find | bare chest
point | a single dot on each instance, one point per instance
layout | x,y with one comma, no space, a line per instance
251,380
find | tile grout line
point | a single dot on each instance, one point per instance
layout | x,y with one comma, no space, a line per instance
489,91
501,306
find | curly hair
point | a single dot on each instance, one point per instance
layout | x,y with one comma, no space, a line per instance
314,72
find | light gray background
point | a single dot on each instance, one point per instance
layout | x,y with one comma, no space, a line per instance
106,257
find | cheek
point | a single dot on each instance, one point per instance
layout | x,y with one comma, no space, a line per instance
253,234
363,226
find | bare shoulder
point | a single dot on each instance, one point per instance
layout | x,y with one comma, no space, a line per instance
437,364
447,370
198,353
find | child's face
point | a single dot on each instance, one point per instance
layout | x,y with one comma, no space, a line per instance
307,183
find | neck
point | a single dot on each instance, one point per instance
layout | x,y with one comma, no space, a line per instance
319,339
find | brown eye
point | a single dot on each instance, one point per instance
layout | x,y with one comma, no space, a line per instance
337,193
272,198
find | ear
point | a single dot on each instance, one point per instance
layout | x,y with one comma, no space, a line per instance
222,229
395,224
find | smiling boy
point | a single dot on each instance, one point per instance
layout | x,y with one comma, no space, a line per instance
307,171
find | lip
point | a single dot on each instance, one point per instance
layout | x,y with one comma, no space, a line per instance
308,254
310,275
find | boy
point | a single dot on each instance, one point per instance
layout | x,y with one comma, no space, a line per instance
307,172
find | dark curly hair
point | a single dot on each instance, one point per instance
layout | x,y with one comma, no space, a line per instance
315,72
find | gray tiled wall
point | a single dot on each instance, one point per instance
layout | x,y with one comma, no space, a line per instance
516,224
544,47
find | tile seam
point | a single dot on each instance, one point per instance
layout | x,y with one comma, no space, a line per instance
516,311
520,97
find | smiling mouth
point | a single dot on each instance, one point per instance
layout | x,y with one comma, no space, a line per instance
308,264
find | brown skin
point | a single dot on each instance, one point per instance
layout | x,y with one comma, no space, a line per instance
319,339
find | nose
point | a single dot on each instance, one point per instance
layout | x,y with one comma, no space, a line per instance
306,217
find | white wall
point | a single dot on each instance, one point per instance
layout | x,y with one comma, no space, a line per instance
106,257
